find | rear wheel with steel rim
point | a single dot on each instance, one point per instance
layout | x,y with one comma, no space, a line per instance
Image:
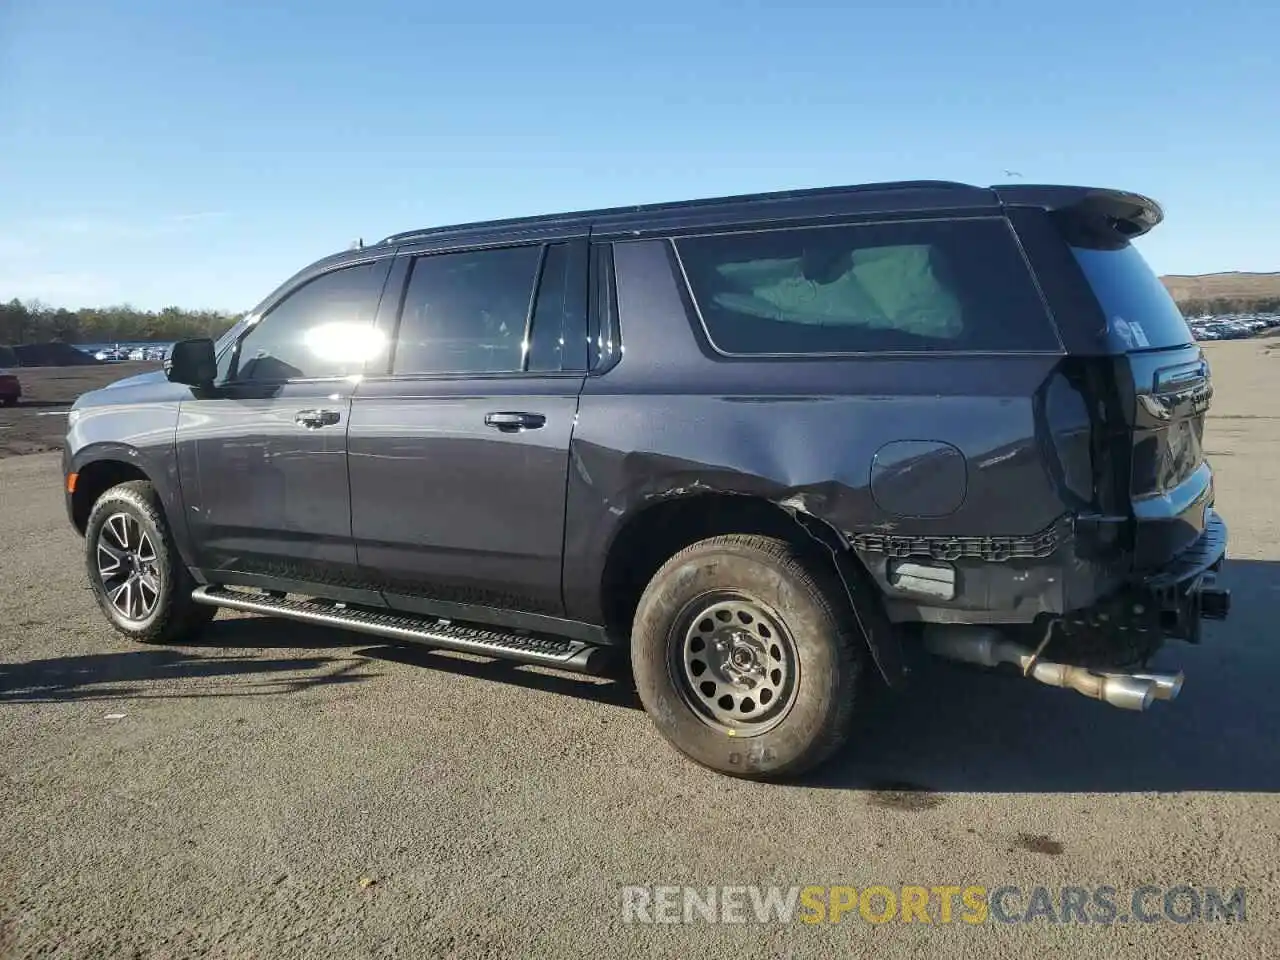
737,667
747,656
135,571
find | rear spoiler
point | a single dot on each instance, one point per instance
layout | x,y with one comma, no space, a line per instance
1089,216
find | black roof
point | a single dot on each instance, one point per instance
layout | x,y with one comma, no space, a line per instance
954,193
1127,214
908,196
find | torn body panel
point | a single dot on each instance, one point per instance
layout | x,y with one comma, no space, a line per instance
820,436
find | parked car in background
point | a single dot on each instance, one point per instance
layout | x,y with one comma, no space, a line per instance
1232,326
10,388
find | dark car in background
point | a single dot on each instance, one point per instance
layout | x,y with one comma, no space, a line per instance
10,386
770,448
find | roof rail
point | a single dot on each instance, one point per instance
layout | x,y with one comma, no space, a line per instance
679,205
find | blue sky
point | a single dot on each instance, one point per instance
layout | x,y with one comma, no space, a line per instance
158,152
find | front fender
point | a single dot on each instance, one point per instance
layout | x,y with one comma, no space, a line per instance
139,434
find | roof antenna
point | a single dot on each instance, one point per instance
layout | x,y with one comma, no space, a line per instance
357,244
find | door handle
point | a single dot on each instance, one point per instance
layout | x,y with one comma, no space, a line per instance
510,422
314,419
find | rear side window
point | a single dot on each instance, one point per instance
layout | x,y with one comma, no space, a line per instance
952,285
466,312
1140,312
558,340
474,312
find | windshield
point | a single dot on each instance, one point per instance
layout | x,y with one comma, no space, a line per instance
1140,313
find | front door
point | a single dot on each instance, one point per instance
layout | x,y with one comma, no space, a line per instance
263,455
459,457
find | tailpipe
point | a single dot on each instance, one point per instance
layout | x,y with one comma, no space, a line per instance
987,648
1168,685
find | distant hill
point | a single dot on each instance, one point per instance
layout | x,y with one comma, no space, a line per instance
1233,292
1207,286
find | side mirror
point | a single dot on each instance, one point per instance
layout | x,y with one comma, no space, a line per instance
192,362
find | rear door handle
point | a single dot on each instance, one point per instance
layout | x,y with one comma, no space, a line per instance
512,422
314,419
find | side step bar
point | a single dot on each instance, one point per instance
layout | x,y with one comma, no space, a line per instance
563,654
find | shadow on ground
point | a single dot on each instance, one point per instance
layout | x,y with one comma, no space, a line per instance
142,673
964,730
615,688
954,730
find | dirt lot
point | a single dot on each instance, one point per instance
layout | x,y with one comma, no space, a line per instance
276,791
38,422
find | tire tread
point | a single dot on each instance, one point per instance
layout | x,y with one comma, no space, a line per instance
812,575
180,616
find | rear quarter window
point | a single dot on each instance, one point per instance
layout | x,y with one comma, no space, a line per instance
1140,312
918,286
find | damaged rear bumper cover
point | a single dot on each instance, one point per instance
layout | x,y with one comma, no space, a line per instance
1066,571
1079,650
1185,591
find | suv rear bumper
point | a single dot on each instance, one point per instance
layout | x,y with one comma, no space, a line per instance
1096,649
1185,590
1076,582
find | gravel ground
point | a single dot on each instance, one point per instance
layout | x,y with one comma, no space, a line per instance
278,791
38,422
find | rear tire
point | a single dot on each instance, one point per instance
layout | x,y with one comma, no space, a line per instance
136,573
747,657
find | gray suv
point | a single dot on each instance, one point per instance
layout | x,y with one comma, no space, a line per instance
772,448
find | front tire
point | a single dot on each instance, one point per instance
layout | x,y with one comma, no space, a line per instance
747,658
135,570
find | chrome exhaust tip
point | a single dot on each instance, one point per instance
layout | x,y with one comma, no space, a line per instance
985,647
1167,685
1128,693
1120,690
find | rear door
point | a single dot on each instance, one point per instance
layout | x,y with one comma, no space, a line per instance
459,452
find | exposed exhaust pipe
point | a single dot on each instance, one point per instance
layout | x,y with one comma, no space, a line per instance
987,648
1168,685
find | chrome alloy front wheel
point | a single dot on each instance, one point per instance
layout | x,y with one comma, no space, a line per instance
128,568
737,665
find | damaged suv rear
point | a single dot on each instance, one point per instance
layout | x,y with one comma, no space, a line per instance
983,403
766,446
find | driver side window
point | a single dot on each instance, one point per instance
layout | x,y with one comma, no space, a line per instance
323,329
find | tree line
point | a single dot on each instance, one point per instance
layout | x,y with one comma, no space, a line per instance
35,322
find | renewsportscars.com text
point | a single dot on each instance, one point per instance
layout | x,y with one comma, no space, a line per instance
972,904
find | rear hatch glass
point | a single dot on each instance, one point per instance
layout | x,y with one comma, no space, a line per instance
1140,313
1168,481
